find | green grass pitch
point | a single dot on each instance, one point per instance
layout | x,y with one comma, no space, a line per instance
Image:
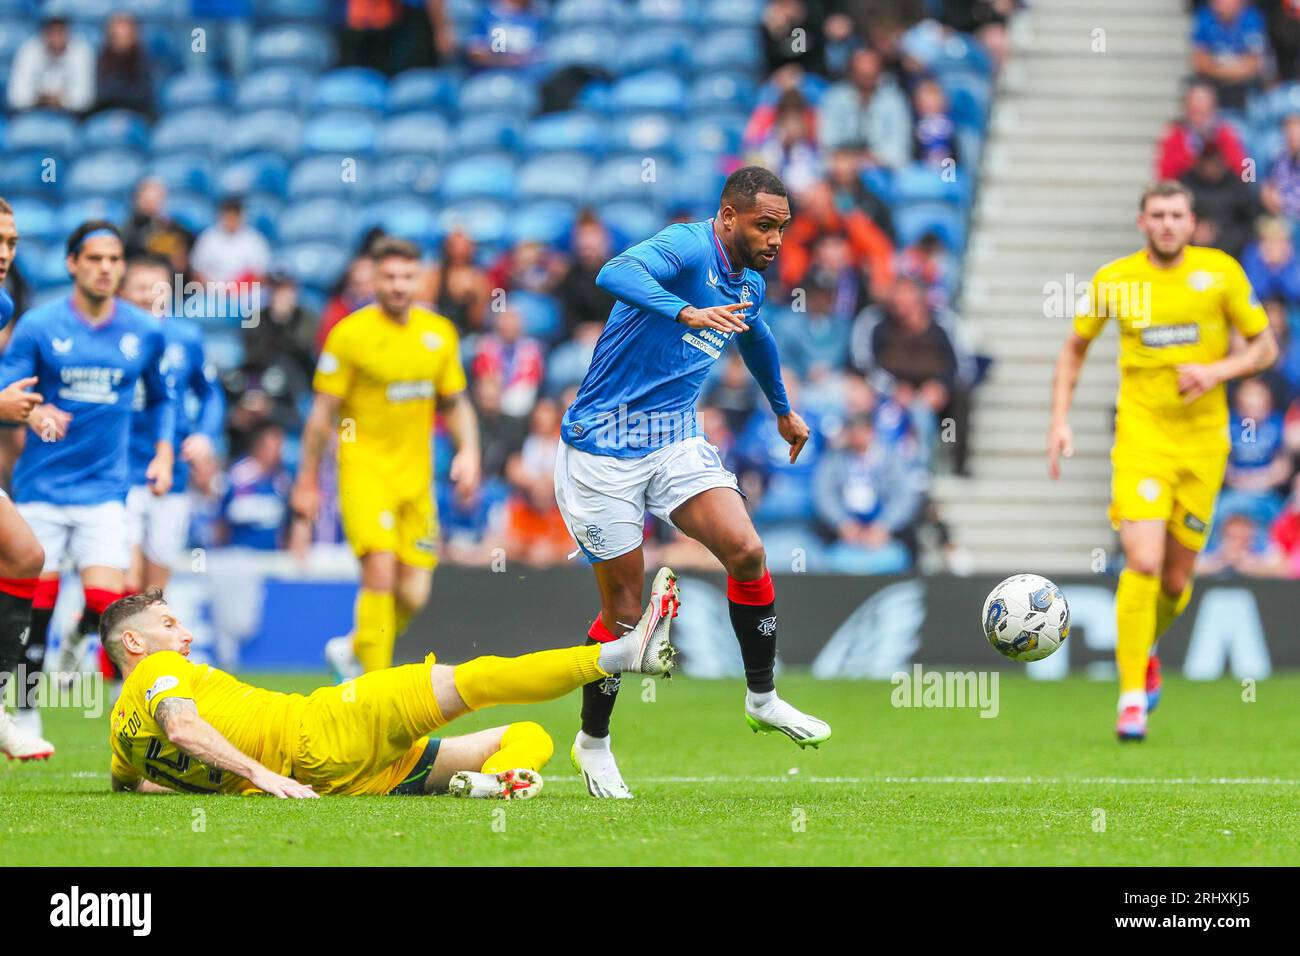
1043,783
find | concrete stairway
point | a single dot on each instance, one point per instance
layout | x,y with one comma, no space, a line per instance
1082,100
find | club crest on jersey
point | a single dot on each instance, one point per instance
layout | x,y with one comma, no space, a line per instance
61,346
431,341
1200,280
129,345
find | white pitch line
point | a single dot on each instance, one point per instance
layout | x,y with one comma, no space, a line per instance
1048,781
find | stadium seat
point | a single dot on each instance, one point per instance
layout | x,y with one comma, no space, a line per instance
582,46
350,132
111,174
29,174
648,14
51,133
921,182
492,133
74,212
559,132
254,173
657,49
696,183
183,173
547,221
192,211
631,221
405,176
37,220
968,98
423,133
406,218
642,134
319,220
262,210
422,90
639,179
48,269
350,88
555,176
727,50
308,47
497,91
479,177
264,131
281,88
711,134
540,314
115,129
722,90
649,90
961,52
164,47
194,89
721,14
198,130
486,222
154,11
571,14
595,96
345,178
946,220
273,11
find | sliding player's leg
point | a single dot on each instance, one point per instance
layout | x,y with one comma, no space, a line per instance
21,559
1136,597
502,763
717,518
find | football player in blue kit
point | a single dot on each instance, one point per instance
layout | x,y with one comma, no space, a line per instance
630,444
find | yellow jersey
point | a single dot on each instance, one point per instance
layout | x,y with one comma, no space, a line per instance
388,376
1170,317
263,724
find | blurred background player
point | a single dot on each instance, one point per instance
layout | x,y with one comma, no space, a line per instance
158,525
380,374
1177,306
630,442
88,351
21,555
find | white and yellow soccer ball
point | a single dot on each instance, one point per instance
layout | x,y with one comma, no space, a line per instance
1026,617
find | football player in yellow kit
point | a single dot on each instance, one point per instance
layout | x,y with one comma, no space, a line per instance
191,728
381,373
1176,306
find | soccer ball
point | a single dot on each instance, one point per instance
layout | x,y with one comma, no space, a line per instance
1026,618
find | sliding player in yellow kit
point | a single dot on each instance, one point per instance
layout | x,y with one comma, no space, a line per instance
190,728
1176,306
380,374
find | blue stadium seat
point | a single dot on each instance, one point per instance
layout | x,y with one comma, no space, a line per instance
24,174
971,144
48,270
308,47
254,173
727,50
596,96
76,211
723,91
405,176
572,14
193,89
720,14
183,173
164,47
350,88
346,178
317,265
277,10
351,132
961,52
282,88
921,182
570,130
192,211
406,218
497,91
968,98
264,131
548,221
154,10
655,13
555,176
650,90
946,220
582,46
37,220
495,132
658,49
319,220
631,222
641,134
423,90
484,221
262,211
115,129
697,183
638,179
479,177
14,32
422,133
30,252
712,134
51,133
540,314
197,130
108,173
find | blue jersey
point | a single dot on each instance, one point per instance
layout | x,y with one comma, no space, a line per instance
648,369
90,372
256,505
6,307
200,405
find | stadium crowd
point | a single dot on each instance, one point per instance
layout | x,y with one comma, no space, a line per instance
1236,145
266,144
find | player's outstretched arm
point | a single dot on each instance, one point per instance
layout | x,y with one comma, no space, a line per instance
1069,362
462,423
180,721
305,500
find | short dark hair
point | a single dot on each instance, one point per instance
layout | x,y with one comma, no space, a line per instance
148,260
118,614
1163,188
386,246
747,182
85,229
231,204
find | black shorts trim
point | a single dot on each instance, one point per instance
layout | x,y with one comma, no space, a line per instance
413,785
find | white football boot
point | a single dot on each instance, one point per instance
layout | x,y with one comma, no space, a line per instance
599,769
17,745
776,715
521,784
645,648
343,664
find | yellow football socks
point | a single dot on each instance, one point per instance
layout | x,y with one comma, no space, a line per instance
375,631
529,679
1135,611
1168,608
525,744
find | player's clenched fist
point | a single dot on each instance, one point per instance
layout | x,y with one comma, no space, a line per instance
16,403
724,318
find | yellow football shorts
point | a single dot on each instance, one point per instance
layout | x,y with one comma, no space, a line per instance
375,519
365,736
1178,490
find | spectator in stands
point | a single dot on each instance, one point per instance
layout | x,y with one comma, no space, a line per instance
150,231
792,33
869,249
1285,532
123,77
355,288
790,147
231,250
1259,465
569,361
1225,206
733,395
285,331
934,137
228,27
255,506
865,499
1240,551
581,300
1270,262
985,19
516,360
928,262
1287,370
500,435
779,491
1186,138
508,36
1280,191
1284,35
53,70
457,287
473,528
535,529
529,266
844,173
867,107
814,341
1229,48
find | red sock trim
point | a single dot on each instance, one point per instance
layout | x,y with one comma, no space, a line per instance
600,633
97,599
24,588
754,593
46,594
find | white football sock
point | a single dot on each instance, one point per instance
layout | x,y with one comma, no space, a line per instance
1133,698
587,742
755,700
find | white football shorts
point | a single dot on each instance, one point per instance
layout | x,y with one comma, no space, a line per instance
158,526
91,535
